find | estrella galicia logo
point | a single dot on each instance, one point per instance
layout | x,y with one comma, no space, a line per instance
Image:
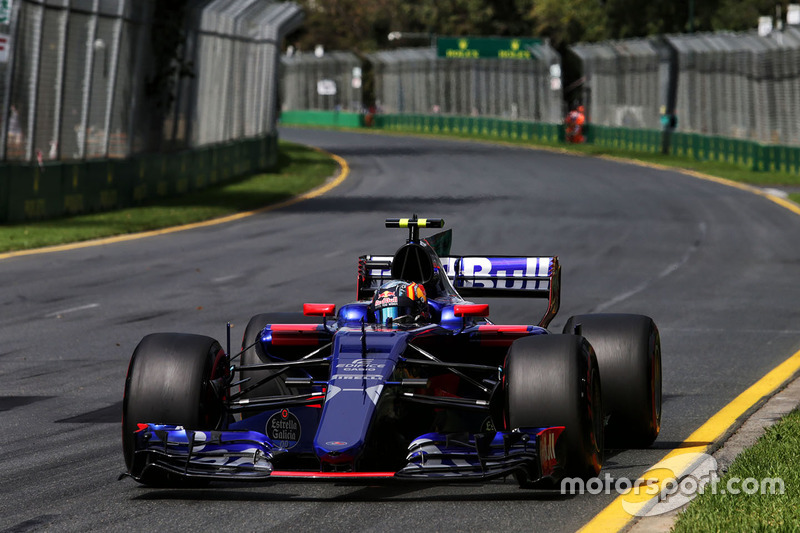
283,428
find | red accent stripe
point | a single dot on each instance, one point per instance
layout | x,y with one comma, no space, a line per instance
294,327
295,335
330,475
497,342
491,328
286,340
491,335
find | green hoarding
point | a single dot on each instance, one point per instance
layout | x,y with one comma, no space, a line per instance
485,47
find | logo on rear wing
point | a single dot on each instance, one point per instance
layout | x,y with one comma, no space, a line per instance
511,273
482,277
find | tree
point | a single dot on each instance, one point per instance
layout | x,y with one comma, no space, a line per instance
568,21
365,24
450,17
344,24
739,15
632,18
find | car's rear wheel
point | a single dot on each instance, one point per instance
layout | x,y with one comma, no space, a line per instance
553,380
628,349
173,378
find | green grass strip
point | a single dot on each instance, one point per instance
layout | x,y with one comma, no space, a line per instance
775,455
721,169
299,169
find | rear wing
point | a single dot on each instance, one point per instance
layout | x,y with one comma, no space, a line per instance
480,277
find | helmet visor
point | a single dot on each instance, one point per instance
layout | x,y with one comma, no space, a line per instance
386,313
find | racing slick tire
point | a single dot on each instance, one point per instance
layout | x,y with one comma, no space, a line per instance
628,350
553,380
173,378
253,354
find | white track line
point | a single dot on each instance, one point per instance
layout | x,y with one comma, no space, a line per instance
72,310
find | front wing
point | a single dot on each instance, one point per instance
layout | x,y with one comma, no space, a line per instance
248,455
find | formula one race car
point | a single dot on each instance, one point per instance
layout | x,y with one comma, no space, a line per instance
410,382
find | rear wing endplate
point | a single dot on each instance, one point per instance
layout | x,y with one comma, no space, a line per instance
481,277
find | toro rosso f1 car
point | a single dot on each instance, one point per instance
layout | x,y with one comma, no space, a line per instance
409,382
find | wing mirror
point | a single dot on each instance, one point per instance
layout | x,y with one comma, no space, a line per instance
322,310
466,310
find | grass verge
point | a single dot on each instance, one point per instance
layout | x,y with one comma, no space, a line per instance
299,169
773,456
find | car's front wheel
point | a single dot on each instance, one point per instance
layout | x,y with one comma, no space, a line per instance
173,378
553,380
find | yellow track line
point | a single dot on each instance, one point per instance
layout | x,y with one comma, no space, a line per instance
344,171
623,509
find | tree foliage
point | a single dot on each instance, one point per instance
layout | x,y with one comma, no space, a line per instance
569,21
345,24
364,25
743,14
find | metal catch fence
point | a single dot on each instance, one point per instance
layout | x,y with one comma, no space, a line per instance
740,85
736,85
327,83
83,80
415,80
621,85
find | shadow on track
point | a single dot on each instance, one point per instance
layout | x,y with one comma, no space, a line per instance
372,493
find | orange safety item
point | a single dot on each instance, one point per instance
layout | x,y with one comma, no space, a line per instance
574,125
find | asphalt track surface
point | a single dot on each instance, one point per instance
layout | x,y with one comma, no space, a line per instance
716,267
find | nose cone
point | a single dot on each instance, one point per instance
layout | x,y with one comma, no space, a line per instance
354,389
346,420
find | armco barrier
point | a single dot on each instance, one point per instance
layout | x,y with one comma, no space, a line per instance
31,192
751,154
473,126
625,139
478,126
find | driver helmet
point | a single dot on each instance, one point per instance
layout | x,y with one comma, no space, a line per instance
400,302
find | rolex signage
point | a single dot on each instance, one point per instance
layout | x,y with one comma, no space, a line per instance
485,47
